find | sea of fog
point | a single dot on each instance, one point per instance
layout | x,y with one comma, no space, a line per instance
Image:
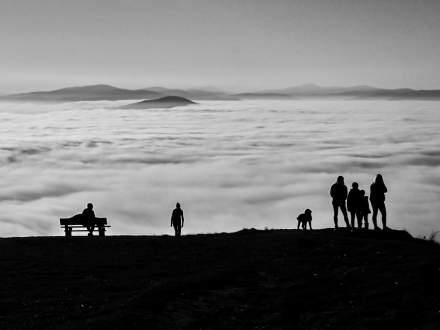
231,164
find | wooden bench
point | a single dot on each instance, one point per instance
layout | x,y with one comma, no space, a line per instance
75,224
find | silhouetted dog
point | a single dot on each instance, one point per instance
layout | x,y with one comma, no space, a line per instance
305,218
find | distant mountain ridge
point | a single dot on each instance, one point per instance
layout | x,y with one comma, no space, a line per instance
352,92
106,92
83,93
102,92
193,93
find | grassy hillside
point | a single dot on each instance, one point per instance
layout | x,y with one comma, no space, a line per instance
247,280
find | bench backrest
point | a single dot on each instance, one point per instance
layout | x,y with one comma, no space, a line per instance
77,221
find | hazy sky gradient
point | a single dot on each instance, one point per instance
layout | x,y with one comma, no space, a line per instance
230,44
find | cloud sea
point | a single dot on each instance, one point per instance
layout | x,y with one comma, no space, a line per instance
231,164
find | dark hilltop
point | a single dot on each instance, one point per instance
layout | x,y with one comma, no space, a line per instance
272,279
163,102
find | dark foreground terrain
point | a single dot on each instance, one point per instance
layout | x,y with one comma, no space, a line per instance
246,280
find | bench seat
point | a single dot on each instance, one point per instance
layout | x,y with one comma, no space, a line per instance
75,224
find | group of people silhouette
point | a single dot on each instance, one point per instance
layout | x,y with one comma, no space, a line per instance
357,203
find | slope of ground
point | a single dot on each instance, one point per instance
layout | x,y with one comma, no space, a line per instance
279,279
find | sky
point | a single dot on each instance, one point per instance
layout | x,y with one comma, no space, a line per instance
229,44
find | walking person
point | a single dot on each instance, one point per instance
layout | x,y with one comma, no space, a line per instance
338,192
377,199
177,220
354,205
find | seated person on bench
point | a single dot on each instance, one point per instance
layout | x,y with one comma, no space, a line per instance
85,219
88,218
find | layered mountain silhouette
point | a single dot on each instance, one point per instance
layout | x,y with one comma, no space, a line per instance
353,92
111,93
83,93
163,102
106,92
194,94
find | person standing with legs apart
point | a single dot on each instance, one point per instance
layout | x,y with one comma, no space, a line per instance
354,205
177,220
377,199
338,192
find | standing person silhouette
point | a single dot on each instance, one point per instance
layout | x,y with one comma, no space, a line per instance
365,208
177,220
354,203
377,199
338,192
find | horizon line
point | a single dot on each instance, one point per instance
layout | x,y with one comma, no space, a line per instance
216,88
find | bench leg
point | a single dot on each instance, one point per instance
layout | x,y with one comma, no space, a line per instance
67,231
101,232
